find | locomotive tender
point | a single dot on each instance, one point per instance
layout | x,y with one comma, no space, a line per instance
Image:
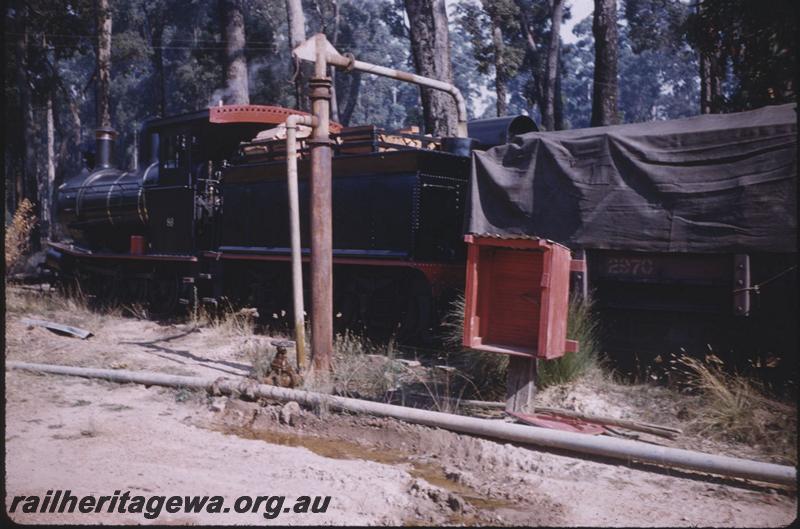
205,219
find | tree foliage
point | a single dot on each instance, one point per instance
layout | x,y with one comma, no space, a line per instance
168,57
757,44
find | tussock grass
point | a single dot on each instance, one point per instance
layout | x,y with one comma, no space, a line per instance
487,371
733,407
581,326
260,356
362,367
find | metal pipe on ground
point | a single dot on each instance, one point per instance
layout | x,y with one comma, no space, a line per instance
621,449
294,221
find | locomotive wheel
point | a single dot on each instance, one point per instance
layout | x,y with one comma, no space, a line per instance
162,296
346,313
415,320
105,290
67,286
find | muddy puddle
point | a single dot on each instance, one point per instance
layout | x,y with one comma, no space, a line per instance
432,473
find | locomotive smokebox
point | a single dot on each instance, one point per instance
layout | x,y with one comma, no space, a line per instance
104,138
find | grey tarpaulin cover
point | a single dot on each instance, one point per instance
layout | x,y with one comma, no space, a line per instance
713,183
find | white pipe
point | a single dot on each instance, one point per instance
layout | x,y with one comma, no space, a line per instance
350,63
294,221
318,50
600,446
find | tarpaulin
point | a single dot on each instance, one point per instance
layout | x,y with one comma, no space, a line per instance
713,183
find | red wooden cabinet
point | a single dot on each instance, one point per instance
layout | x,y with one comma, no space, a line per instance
517,296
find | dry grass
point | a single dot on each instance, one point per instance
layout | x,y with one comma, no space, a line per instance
20,301
735,408
366,369
18,235
226,320
363,368
51,305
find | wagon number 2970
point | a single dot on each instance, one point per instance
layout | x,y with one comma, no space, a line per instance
630,266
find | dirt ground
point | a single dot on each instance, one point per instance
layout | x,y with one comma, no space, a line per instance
95,437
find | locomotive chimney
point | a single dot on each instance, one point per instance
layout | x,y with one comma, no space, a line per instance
105,138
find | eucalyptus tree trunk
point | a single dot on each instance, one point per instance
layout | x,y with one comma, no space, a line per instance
47,192
551,72
558,106
297,35
501,75
346,115
237,92
25,179
535,94
103,83
335,41
158,65
710,70
430,48
605,89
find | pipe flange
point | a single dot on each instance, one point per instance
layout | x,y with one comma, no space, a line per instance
351,61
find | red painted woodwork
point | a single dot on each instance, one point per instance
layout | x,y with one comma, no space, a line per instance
517,296
258,114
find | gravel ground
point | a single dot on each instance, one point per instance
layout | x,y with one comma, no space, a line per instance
94,437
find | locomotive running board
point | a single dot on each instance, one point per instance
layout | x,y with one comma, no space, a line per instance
80,252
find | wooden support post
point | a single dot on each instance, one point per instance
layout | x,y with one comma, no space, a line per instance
579,276
520,384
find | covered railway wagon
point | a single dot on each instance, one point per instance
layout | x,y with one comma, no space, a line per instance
688,227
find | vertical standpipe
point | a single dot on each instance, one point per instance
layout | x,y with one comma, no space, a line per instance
318,50
321,216
294,221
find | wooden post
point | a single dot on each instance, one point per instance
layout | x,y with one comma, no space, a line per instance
579,276
520,384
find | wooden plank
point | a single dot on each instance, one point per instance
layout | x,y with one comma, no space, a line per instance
520,384
654,429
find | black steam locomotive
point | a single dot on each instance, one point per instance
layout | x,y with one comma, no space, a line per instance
205,219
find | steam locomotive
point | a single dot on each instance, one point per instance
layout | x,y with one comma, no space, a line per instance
205,220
